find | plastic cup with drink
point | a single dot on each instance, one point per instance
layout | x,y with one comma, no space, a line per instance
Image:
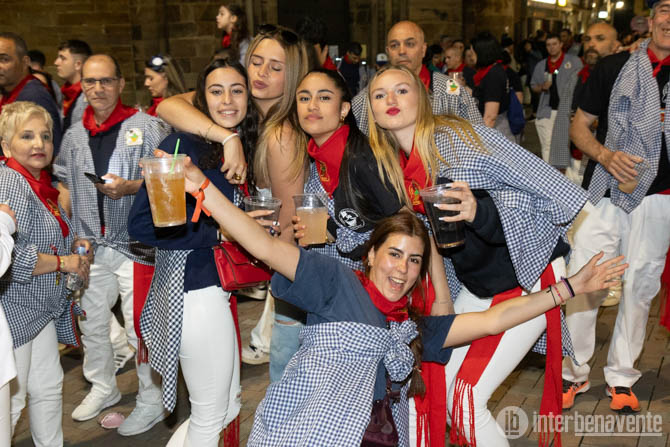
273,204
629,186
164,178
446,234
313,213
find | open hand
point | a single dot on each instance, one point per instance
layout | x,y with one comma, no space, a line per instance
593,276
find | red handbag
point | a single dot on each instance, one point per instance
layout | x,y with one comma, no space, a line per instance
237,268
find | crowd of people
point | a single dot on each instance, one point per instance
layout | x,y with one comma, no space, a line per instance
377,317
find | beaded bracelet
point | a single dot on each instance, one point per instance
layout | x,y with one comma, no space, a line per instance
559,295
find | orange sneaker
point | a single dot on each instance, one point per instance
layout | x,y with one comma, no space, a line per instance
572,389
623,399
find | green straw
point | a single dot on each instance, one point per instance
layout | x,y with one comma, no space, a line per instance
174,156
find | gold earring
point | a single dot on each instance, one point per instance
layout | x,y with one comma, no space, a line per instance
342,119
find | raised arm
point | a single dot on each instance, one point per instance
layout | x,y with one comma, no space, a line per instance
279,255
501,317
179,112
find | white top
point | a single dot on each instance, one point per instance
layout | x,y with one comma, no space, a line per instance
7,365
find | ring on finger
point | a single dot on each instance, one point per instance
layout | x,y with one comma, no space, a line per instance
237,177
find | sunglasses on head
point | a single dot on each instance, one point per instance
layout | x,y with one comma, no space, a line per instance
271,30
157,63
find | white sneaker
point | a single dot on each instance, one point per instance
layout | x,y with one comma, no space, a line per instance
251,355
121,358
93,404
142,419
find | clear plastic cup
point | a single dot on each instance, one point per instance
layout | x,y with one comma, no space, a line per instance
446,234
164,178
273,204
629,186
313,213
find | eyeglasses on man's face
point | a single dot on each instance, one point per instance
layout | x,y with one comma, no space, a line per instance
104,82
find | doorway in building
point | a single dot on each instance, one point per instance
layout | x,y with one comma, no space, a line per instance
334,13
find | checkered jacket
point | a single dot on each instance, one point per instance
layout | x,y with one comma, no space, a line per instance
571,64
444,103
559,151
77,112
75,158
324,397
31,302
634,127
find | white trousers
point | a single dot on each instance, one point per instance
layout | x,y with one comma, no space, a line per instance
5,420
513,347
261,334
211,366
111,275
643,237
545,126
39,379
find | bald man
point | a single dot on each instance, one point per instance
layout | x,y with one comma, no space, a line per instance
600,40
109,142
406,45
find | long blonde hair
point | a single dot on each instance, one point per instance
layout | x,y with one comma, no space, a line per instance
284,110
385,146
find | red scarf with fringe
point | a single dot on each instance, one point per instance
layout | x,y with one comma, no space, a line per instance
328,158
478,357
120,113
154,105
394,310
70,94
42,188
431,408
10,97
414,177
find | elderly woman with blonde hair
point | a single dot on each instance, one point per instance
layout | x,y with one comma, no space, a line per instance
33,291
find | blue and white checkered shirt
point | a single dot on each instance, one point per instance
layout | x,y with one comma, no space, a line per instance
634,127
31,302
324,397
75,159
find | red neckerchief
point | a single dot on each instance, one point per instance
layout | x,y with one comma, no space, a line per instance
584,73
553,66
329,64
414,177
328,158
394,311
120,113
10,97
70,94
154,105
225,41
425,75
481,73
47,194
458,69
656,63
478,357
347,60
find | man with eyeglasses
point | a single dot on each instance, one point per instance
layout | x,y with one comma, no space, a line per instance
18,84
406,45
109,142
71,57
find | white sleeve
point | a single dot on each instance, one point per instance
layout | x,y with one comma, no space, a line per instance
7,228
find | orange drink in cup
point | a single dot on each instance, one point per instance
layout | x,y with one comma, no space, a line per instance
313,213
164,178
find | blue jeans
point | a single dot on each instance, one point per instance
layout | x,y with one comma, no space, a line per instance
289,320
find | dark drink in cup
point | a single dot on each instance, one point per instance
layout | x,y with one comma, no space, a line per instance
446,234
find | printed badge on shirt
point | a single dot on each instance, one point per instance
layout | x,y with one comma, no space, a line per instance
134,137
453,88
350,219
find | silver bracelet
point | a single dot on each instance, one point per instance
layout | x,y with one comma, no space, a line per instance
228,138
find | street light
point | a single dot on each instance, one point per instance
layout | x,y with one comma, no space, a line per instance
602,14
562,3
619,4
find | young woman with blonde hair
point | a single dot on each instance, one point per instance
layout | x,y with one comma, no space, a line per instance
516,211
